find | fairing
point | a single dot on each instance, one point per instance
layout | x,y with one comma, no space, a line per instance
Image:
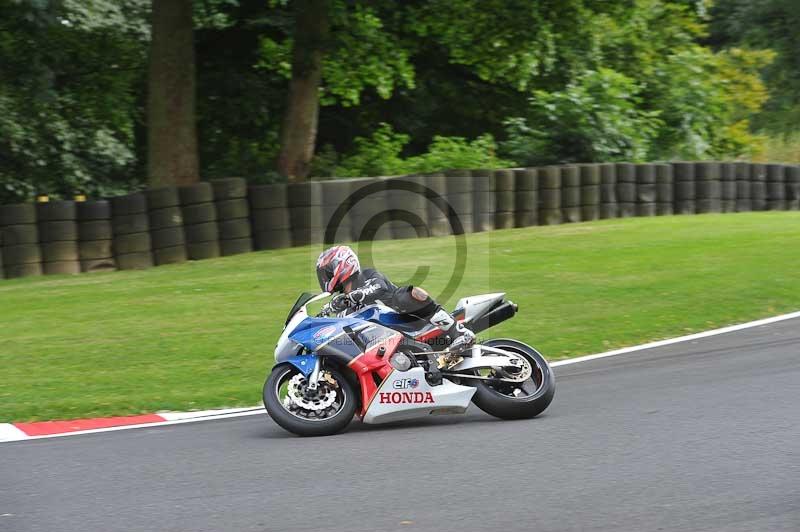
475,306
406,394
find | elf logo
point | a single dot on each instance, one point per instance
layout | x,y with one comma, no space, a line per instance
404,384
405,397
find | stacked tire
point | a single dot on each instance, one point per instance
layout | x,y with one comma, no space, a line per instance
199,221
166,226
685,191
95,236
708,187
550,195
776,187
758,186
504,199
269,216
728,186
665,190
437,208
570,194
233,215
58,237
460,198
626,189
744,199
609,207
483,199
526,197
408,209
645,190
131,226
793,188
305,213
590,192
19,237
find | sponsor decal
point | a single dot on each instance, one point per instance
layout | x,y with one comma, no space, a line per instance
323,333
404,384
396,398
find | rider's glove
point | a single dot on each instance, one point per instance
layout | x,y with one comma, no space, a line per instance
357,297
340,302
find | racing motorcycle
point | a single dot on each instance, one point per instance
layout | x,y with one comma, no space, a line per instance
383,366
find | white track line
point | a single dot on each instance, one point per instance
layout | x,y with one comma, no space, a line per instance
670,341
9,432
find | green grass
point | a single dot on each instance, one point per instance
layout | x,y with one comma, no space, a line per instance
201,335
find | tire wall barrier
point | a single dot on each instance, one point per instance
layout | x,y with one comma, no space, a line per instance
166,226
205,220
407,202
58,237
19,238
504,198
526,197
590,192
233,215
436,190
95,236
199,214
571,194
130,227
269,217
466,201
550,195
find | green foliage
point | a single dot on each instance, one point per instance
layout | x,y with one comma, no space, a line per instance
706,99
381,154
598,117
360,54
766,25
67,112
376,155
364,55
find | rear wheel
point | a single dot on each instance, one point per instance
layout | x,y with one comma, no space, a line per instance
516,400
305,412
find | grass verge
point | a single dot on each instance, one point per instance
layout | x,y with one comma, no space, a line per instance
200,335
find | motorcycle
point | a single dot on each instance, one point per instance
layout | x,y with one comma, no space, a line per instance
384,366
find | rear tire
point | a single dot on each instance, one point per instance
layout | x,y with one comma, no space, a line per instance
307,427
503,406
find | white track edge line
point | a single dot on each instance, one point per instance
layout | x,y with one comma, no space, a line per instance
207,415
679,339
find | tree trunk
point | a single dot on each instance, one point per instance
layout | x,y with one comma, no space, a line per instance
299,130
171,129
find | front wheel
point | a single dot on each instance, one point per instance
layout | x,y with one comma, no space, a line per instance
305,412
516,400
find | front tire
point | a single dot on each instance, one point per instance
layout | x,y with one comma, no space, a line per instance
302,421
496,400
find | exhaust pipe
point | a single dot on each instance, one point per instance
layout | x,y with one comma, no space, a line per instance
500,313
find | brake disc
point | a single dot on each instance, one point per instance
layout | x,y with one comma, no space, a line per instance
524,373
298,394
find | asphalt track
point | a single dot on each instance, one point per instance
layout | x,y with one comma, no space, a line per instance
699,436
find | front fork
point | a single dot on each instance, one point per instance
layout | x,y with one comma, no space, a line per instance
313,379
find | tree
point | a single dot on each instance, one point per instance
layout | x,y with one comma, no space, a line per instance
172,156
299,131
766,25
71,71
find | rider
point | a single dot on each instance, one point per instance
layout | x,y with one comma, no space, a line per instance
339,270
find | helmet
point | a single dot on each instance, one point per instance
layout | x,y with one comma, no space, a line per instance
335,266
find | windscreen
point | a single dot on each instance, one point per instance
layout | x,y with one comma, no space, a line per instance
304,298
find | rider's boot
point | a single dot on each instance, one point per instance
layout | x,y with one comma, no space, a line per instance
460,338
